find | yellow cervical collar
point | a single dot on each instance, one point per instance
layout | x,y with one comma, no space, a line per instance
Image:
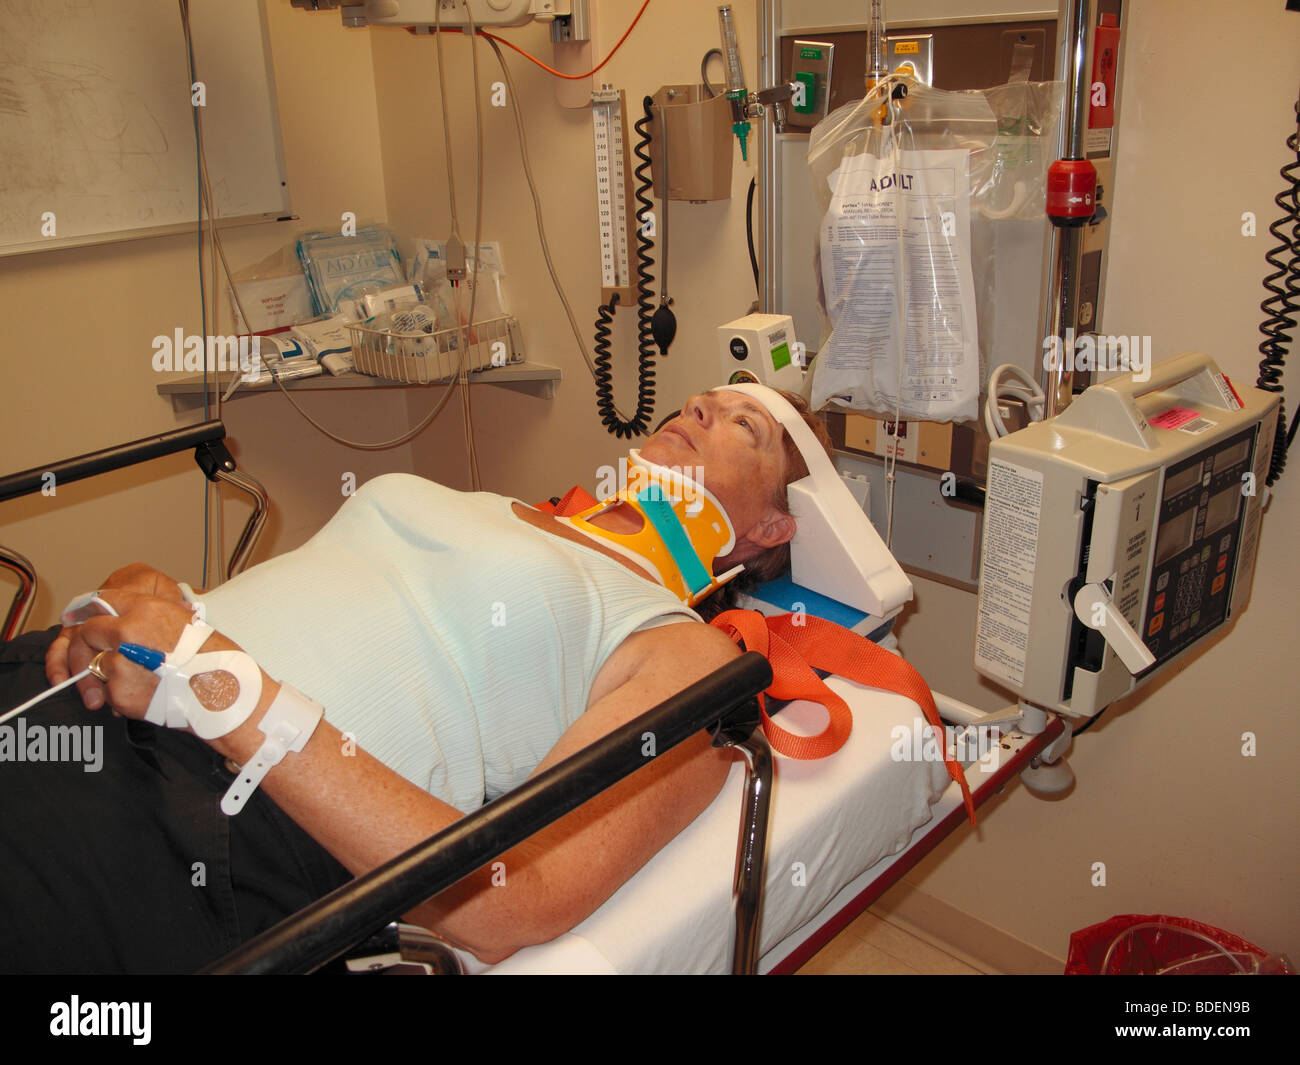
683,529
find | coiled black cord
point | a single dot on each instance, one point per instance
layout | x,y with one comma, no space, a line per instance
645,392
645,298
1284,304
636,425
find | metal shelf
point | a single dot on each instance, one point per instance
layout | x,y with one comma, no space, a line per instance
531,378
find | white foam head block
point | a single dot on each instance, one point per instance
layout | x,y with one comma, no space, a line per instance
836,551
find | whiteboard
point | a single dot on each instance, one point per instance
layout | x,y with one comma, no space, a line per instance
97,128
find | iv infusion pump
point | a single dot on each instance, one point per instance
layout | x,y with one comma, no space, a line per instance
1120,533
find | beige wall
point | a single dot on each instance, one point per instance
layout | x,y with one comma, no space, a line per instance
1184,823
79,325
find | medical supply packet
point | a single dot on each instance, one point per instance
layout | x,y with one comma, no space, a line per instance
345,268
273,292
900,336
328,341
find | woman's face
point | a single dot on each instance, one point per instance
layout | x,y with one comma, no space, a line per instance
735,448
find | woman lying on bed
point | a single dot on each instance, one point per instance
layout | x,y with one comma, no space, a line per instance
459,644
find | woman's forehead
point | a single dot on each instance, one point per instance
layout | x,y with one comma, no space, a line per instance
740,401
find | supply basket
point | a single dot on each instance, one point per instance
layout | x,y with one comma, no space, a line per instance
427,358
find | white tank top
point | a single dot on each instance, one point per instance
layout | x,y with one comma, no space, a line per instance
454,641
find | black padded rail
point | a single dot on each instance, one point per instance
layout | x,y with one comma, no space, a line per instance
111,458
331,925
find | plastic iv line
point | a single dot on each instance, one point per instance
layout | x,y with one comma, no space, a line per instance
143,656
44,695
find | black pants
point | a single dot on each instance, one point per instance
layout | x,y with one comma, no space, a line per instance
133,867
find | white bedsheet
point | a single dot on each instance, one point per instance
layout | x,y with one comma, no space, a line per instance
830,820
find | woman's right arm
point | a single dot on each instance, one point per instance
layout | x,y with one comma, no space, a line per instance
365,814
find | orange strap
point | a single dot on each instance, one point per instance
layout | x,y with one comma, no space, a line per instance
575,501
795,644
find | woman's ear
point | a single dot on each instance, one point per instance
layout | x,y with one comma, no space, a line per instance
772,529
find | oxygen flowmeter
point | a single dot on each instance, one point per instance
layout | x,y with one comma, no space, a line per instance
1120,533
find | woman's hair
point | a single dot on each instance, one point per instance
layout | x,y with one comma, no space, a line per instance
775,561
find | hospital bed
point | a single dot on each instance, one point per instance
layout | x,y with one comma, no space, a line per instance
838,832
843,830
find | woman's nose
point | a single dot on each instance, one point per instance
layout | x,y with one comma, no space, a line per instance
699,409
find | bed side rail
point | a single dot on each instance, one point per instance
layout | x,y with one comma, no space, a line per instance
112,458
724,700
214,459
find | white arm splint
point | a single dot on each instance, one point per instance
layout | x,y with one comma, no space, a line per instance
287,726
79,609
174,703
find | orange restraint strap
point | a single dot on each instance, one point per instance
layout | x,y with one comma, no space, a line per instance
795,644
575,501
795,648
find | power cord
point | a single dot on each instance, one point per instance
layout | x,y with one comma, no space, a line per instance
1022,387
1281,307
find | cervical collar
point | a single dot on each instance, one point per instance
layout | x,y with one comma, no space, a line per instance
684,529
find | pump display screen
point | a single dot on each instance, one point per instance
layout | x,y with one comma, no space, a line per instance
1223,508
1196,546
1177,483
1175,535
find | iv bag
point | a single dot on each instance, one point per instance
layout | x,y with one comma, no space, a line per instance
900,336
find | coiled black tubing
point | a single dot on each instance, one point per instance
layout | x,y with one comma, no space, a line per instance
645,392
1284,303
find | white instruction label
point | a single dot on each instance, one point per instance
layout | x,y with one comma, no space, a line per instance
1096,142
1225,390
1011,520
